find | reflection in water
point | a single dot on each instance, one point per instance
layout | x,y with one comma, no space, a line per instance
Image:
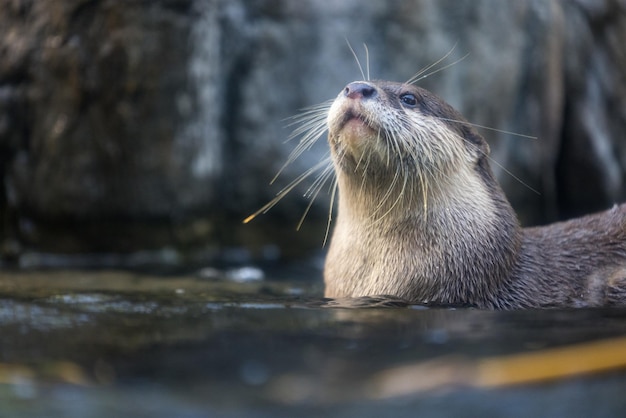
263,347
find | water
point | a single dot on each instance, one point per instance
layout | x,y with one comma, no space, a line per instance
110,343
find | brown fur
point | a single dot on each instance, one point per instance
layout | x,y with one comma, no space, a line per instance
421,216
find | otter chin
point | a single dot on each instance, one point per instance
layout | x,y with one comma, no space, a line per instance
421,216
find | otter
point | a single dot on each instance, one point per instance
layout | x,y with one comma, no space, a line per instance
421,216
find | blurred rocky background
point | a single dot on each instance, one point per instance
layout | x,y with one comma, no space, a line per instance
147,130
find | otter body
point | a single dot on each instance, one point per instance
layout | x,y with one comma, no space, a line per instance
421,216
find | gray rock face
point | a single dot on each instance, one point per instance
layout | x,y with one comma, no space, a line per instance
101,104
127,125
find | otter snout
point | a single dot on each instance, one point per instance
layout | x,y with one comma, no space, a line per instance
360,90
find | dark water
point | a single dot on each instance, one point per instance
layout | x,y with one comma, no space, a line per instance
104,344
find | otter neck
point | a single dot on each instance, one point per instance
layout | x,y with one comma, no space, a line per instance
382,199
427,250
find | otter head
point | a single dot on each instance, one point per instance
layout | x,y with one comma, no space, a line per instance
395,129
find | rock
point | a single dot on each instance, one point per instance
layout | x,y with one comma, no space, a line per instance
592,159
114,134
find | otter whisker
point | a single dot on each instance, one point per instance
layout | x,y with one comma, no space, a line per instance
411,152
314,133
387,149
414,78
282,193
514,176
312,126
424,187
367,60
463,122
428,67
384,201
358,62
395,142
364,175
510,173
387,195
330,210
408,180
422,159
440,69
309,121
360,160
385,198
307,117
422,176
313,191
321,178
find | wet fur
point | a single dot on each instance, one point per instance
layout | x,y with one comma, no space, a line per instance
421,217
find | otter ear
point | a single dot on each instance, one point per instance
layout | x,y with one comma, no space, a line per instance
485,148
480,146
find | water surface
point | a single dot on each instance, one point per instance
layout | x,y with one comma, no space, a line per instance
114,343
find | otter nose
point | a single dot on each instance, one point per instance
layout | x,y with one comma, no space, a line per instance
359,90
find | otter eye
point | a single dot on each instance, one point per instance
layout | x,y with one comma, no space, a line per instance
408,100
